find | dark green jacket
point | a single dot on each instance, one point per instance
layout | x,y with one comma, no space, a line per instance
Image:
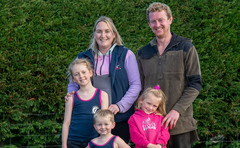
177,71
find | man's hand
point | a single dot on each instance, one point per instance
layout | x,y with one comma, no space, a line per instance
114,108
171,119
68,95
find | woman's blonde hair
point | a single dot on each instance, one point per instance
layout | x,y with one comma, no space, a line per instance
83,61
110,24
158,93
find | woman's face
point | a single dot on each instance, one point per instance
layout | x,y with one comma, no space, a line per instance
104,37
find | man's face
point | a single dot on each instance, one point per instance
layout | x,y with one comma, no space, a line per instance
159,23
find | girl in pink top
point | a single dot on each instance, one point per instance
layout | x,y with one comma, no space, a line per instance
145,124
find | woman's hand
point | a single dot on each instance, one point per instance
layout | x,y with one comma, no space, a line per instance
114,109
68,96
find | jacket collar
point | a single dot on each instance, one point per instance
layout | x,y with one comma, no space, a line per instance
174,41
150,52
108,52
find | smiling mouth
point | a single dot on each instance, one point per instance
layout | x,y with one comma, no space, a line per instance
149,111
103,39
82,80
158,29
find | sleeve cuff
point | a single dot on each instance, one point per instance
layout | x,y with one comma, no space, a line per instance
119,108
179,110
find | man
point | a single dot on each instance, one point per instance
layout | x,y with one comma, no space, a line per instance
171,61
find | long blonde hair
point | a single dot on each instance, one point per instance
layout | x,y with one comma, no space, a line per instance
159,94
109,22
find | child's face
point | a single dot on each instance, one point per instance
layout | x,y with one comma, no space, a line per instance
150,104
104,125
81,74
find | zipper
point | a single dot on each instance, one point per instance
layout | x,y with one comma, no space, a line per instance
102,65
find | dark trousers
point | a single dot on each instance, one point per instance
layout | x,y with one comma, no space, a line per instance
184,140
76,144
122,130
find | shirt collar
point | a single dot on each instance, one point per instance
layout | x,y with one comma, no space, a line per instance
154,41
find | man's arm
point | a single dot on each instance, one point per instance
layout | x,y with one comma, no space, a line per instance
190,93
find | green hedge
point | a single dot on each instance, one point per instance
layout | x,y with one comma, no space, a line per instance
39,39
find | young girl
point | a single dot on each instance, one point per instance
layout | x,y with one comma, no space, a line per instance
145,124
104,123
78,128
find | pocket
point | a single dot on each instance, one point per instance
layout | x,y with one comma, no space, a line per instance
173,62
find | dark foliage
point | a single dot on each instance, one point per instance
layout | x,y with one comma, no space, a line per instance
39,39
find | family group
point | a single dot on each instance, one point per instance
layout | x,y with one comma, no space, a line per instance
115,97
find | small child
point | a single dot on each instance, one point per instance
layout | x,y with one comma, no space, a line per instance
104,123
78,128
145,124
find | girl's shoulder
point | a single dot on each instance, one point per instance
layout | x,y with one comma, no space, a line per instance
138,114
94,140
158,117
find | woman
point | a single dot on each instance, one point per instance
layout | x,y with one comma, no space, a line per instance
115,71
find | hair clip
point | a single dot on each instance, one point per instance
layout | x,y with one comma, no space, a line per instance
157,87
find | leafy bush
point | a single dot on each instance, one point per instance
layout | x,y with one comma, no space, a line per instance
40,38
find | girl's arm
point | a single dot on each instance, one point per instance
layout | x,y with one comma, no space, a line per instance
67,121
104,100
163,139
135,135
120,143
